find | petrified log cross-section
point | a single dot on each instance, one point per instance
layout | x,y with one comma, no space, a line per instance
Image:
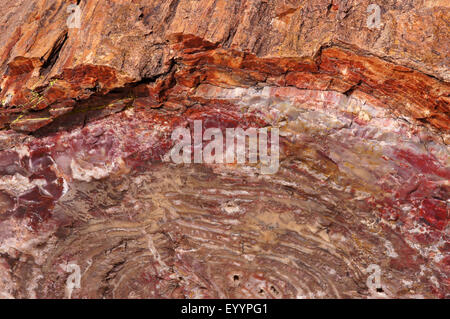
91,207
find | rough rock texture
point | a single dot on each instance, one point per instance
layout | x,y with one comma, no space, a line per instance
86,122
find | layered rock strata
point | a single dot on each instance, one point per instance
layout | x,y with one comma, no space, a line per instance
92,207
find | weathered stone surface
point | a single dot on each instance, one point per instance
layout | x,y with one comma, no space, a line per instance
86,121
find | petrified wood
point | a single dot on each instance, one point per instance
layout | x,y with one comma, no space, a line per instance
90,207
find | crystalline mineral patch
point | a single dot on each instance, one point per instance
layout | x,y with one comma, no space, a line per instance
92,204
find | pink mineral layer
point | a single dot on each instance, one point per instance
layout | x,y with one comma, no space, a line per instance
93,206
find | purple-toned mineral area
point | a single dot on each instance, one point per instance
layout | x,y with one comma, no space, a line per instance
92,206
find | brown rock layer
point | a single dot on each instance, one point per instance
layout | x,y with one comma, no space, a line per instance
86,122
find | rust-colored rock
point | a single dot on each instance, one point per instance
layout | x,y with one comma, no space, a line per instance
86,121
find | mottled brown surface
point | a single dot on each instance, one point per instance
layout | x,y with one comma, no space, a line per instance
85,128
